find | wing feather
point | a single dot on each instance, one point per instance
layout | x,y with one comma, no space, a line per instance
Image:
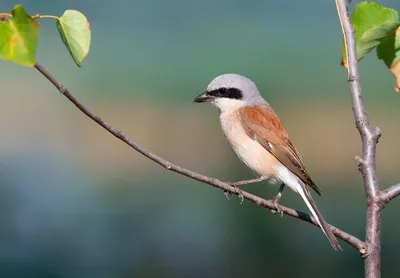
262,124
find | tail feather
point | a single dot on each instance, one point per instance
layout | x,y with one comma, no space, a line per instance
305,194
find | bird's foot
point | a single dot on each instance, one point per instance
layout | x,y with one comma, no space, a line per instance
238,192
237,184
276,201
276,209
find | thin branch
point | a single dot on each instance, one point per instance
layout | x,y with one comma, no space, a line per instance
369,137
390,193
358,244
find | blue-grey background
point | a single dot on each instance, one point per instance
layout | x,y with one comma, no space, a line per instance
76,202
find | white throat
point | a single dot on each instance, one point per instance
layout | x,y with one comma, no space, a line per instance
227,104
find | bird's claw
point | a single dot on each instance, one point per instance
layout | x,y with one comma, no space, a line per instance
276,201
276,208
238,192
227,194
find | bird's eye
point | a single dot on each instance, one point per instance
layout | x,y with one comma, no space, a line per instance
222,92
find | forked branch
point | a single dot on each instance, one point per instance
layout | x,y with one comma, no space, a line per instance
369,138
358,244
390,193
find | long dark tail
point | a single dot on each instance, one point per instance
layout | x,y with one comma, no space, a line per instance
305,194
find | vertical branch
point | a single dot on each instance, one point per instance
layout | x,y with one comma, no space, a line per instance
369,137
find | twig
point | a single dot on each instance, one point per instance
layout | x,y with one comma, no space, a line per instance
358,244
369,137
390,193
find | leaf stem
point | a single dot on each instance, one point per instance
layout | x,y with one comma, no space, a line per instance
46,16
4,16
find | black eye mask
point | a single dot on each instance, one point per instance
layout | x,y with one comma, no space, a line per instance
232,93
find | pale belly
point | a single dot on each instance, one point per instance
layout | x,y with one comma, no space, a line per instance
256,157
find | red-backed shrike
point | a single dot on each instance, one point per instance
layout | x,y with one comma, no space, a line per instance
259,139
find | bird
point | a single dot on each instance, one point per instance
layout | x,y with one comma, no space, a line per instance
259,139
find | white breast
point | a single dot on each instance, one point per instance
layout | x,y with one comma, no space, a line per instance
255,156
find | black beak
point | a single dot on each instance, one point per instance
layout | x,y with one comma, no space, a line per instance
204,97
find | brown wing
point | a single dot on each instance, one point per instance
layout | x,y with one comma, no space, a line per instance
262,124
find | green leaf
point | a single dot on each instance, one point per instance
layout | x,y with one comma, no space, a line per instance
75,33
18,37
389,49
389,52
372,24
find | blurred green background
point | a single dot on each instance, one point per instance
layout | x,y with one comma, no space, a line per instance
76,202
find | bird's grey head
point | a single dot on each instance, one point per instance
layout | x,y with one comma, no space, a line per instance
231,91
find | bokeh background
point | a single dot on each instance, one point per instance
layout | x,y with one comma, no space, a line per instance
76,202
